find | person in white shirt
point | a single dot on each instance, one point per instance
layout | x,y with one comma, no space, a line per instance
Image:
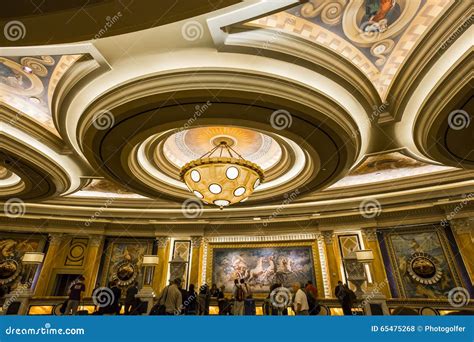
300,303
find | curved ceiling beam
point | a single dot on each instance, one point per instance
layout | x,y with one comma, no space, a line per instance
36,23
22,148
405,129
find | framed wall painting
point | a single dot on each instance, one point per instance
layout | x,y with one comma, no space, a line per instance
261,264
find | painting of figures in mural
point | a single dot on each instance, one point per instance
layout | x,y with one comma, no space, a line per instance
124,261
422,264
262,267
11,252
379,14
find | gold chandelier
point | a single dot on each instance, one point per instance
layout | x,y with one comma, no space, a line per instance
222,176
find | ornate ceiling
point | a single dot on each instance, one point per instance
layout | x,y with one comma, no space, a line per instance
335,100
376,36
27,84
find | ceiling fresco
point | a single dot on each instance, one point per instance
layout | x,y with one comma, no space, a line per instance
182,147
385,167
27,84
375,35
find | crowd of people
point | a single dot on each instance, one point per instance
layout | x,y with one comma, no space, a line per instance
175,300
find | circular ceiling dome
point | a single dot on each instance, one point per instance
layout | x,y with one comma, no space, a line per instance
151,136
184,146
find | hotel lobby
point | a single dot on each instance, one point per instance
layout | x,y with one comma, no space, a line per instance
269,142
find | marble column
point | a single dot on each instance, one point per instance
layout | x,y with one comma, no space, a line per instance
196,242
463,230
55,241
161,270
322,280
377,269
92,262
333,267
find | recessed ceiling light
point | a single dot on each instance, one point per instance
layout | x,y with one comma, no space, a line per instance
28,70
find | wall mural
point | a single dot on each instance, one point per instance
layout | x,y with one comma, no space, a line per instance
11,251
262,267
123,261
422,262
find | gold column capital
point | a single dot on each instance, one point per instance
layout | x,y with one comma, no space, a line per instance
96,240
328,236
370,234
462,225
196,241
55,239
161,241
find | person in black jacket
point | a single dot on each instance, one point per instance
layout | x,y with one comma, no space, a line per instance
343,295
131,302
190,303
115,307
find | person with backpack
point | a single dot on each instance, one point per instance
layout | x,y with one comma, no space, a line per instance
239,298
171,300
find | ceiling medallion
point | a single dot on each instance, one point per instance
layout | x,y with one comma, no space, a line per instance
222,176
424,269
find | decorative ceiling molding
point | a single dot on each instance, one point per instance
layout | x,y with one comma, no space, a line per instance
319,116
452,25
378,47
444,123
